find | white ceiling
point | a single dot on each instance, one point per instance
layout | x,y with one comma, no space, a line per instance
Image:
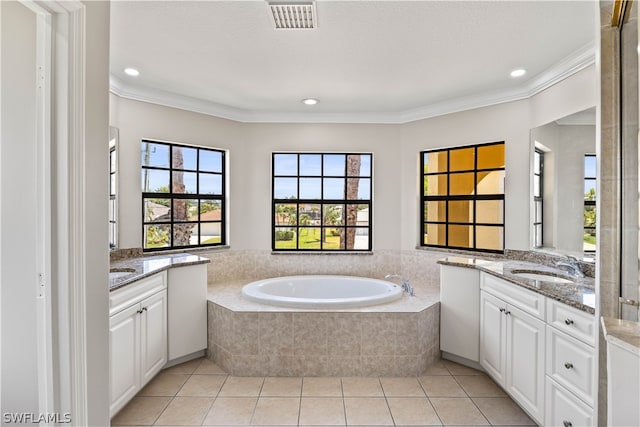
368,61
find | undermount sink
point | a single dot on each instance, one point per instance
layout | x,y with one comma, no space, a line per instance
116,273
541,275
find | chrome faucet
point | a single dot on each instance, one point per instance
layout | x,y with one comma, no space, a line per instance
406,287
573,266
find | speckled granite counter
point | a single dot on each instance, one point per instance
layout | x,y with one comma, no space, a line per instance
624,333
580,293
130,270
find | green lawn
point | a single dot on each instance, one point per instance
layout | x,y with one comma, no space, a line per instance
309,241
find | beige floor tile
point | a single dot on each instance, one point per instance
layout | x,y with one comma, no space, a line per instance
459,410
322,411
441,386
412,411
361,386
141,410
185,368
401,387
282,387
438,368
164,384
367,411
321,386
185,411
202,385
479,386
458,369
241,387
231,411
502,411
208,367
276,411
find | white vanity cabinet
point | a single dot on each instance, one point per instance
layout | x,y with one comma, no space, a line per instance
512,341
137,337
187,290
571,377
460,312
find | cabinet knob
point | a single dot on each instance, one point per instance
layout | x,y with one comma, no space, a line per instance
568,365
502,310
507,313
139,311
568,322
144,308
567,423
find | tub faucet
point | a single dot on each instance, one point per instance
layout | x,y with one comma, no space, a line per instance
573,266
406,287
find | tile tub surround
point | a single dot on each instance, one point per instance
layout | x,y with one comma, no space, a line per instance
149,265
580,294
250,339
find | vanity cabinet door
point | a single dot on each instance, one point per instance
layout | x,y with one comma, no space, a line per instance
124,356
526,361
153,335
493,336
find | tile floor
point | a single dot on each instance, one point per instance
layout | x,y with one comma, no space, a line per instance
200,393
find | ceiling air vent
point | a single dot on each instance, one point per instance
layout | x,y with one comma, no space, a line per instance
293,16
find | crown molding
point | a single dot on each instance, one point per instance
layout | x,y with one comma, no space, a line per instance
574,63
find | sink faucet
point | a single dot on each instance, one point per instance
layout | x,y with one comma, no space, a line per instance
573,266
406,287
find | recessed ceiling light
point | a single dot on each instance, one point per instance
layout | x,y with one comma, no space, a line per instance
131,72
519,72
310,101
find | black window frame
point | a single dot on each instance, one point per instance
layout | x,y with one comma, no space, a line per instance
538,199
449,197
171,196
322,202
590,203
113,202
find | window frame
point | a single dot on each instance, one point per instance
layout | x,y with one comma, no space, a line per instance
590,203
171,196
449,197
538,199
113,200
320,201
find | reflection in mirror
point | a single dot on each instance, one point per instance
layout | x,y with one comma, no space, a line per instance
113,187
563,185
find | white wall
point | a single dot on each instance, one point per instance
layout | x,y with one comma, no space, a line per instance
395,147
19,387
96,184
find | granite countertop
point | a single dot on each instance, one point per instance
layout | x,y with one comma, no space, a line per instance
580,293
624,333
134,269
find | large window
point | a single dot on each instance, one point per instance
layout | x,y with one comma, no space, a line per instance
183,196
463,197
538,189
589,241
321,201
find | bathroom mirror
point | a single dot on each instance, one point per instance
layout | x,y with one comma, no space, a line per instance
563,184
113,187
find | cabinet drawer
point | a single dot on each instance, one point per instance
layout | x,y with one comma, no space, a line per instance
564,409
571,364
574,322
525,300
136,292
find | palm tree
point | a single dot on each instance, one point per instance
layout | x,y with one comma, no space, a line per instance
353,170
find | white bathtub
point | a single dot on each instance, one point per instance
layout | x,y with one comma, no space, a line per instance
321,291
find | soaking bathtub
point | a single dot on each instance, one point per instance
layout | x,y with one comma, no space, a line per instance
321,291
